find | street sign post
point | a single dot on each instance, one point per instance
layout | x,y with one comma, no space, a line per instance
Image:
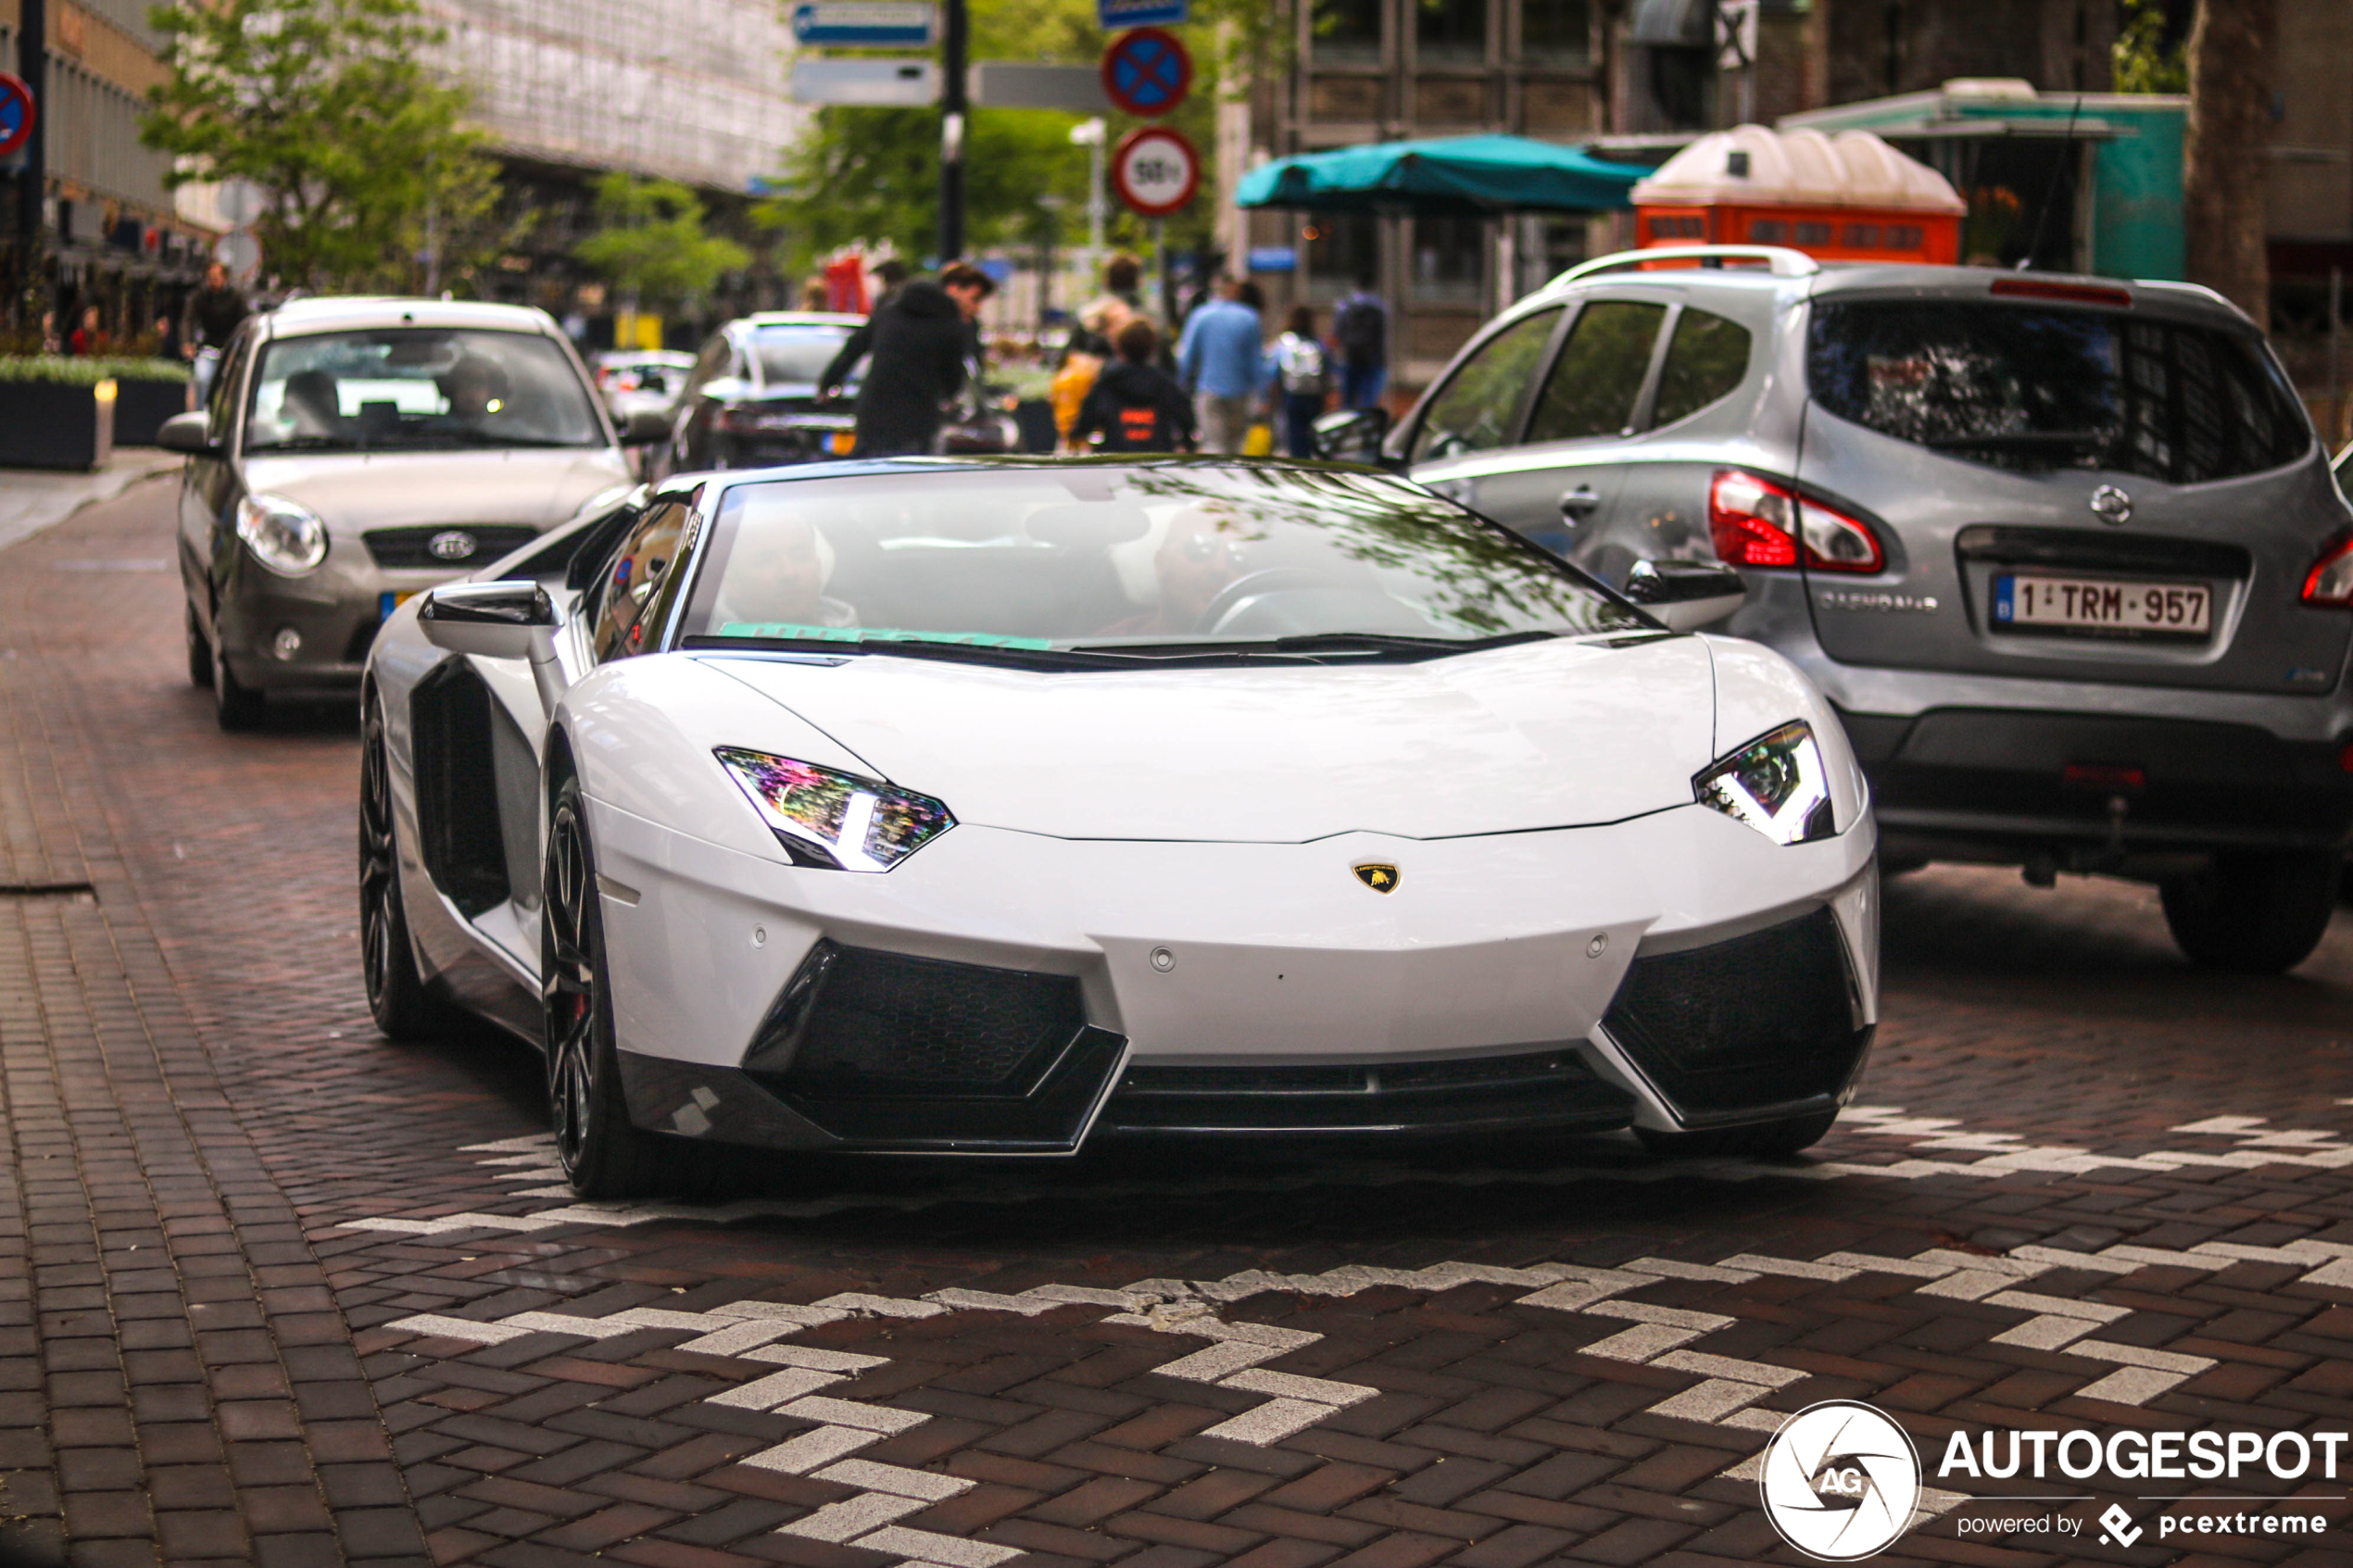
868,84
18,113
1147,72
1116,15
870,24
1155,171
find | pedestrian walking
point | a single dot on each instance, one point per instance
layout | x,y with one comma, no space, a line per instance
1100,317
920,339
1219,360
90,337
1295,368
1360,330
214,311
1135,406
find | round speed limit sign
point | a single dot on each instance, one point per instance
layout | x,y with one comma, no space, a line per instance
1155,171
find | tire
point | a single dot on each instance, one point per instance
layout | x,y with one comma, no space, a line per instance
199,653
2253,914
234,704
397,999
602,1153
1762,1139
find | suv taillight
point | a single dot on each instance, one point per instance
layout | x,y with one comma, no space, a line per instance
1756,522
2331,580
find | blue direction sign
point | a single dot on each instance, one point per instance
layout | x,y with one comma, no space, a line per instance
868,24
1147,72
1116,13
16,112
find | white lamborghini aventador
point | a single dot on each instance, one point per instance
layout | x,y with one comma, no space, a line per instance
998,807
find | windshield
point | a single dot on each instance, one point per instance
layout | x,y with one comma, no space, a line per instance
796,354
1177,557
2035,388
416,388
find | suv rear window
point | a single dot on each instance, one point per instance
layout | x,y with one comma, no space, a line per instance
2034,388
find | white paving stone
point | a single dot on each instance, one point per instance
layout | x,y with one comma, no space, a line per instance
800,1454
896,1478
854,1516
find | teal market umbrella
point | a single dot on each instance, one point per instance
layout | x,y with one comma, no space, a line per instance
1454,176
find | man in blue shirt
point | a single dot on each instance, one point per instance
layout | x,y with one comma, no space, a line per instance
1220,358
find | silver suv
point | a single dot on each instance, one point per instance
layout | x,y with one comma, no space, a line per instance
2065,551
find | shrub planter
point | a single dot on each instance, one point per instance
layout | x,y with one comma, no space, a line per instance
55,425
141,407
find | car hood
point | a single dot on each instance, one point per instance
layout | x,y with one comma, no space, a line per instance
354,491
1537,736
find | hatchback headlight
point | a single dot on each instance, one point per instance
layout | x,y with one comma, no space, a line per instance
826,818
1776,783
283,536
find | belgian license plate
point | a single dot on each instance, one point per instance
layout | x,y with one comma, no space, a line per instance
2101,607
393,600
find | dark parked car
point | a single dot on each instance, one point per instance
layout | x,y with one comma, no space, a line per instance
751,400
2064,551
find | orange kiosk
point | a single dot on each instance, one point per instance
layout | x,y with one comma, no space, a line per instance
1848,197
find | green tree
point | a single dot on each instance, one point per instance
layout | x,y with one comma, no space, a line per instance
2144,62
330,108
651,244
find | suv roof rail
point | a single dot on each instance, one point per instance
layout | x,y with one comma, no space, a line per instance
1779,260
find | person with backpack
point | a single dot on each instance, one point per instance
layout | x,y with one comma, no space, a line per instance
1360,330
1134,406
1295,367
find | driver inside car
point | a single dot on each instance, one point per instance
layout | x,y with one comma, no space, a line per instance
777,576
473,387
1201,552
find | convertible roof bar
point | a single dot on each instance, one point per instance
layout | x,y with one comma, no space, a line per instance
1779,260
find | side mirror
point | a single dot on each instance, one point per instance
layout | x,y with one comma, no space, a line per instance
1350,436
1685,595
645,427
508,620
187,434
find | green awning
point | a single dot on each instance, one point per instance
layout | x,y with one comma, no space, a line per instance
1466,176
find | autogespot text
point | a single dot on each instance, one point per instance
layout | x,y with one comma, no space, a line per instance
2138,1456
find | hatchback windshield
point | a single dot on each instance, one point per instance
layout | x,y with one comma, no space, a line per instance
797,354
1178,556
418,388
2035,388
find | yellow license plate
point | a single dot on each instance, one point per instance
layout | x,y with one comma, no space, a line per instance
842,441
394,600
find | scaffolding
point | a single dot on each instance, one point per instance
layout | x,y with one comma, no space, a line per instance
691,90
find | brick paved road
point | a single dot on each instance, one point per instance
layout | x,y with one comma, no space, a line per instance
289,1294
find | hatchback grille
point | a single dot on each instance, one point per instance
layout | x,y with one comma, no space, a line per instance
1758,1021
411,548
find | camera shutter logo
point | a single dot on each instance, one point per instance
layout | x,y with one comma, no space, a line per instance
1839,1481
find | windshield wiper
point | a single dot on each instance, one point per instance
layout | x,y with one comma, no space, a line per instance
1309,646
904,647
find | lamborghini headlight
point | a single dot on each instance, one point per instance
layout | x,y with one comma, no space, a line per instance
826,818
283,536
1776,783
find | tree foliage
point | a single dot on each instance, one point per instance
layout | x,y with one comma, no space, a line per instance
331,108
651,242
2144,63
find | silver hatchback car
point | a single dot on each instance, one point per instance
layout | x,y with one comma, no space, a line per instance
2064,551
356,451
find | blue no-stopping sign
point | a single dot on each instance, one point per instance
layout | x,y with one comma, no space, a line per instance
1147,72
17,113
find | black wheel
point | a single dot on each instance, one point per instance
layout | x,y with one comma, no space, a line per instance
2253,914
234,704
1763,1139
397,999
199,653
602,1153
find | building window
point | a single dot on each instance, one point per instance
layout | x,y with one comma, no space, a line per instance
1340,250
1347,32
1449,260
1451,32
1555,32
